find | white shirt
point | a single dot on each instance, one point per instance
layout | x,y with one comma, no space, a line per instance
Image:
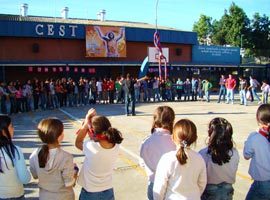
13,178
174,181
221,173
99,86
153,147
97,169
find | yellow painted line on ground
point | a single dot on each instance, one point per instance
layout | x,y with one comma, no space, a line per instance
133,165
244,176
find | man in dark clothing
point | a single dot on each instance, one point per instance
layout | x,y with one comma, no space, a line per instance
128,86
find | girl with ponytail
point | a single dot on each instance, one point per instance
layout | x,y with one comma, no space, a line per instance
13,171
101,152
52,165
221,160
181,174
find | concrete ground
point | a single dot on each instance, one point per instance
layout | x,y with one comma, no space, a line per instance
129,179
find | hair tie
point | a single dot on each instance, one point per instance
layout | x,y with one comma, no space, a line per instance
183,144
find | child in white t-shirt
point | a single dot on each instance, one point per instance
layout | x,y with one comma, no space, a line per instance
181,174
101,152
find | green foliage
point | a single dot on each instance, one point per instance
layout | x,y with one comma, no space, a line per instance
203,28
236,29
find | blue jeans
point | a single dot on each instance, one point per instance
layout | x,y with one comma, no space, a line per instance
103,195
207,96
254,93
130,100
222,191
259,190
150,191
230,95
243,99
222,92
265,97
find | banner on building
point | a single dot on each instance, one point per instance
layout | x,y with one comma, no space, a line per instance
215,55
105,41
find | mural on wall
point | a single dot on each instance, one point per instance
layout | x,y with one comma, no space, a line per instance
105,41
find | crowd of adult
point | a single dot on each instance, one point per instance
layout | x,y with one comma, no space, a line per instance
50,94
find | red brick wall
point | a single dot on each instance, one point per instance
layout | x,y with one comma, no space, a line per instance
21,49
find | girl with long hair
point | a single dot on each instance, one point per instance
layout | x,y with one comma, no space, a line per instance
13,171
51,165
221,160
181,174
257,148
101,151
158,143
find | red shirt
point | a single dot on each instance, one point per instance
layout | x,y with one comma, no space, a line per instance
110,85
230,83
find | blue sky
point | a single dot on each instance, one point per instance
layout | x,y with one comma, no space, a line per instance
180,14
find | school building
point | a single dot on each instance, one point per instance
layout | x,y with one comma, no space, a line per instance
43,47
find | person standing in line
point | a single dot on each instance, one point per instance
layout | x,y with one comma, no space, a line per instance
13,170
51,165
101,152
254,84
118,89
99,90
179,88
3,97
194,89
222,89
158,143
187,89
243,90
156,89
207,89
265,91
181,174
257,148
200,89
221,160
111,90
230,86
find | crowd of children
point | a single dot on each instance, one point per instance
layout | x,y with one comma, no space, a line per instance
175,171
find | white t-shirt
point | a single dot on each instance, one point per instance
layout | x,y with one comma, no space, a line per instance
97,169
153,147
99,86
180,182
221,173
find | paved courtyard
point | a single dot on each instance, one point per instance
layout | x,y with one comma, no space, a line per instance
129,179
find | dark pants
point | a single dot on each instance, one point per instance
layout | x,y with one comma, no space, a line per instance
130,101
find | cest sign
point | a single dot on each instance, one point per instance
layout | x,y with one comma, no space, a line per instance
56,30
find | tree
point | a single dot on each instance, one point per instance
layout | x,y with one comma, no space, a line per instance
221,29
260,36
203,28
239,24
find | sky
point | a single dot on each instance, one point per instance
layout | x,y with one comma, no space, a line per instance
179,14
